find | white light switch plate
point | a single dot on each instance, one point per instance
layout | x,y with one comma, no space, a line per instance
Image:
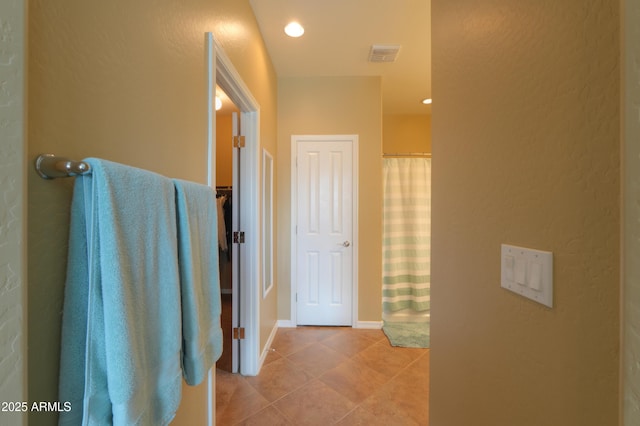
527,272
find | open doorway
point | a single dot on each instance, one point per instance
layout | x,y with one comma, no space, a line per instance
225,194
245,187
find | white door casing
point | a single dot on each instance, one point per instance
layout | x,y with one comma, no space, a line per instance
325,255
222,72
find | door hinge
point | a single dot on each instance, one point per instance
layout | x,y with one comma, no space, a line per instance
238,333
238,237
238,142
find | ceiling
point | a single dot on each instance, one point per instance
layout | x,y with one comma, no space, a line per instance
339,35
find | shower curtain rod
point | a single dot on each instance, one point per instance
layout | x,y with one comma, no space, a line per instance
50,166
407,154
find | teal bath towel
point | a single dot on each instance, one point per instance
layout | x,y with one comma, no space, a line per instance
121,337
199,279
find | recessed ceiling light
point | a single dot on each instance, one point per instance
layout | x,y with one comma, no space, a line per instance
427,101
294,29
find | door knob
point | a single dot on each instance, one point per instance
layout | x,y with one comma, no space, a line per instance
346,244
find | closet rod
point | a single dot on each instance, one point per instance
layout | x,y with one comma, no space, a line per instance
407,154
50,166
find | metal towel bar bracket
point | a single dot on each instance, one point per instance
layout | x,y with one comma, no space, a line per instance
50,166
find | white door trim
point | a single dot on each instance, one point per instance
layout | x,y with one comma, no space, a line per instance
294,214
222,72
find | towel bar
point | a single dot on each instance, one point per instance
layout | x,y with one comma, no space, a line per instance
50,166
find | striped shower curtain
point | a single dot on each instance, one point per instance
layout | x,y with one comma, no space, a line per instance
407,234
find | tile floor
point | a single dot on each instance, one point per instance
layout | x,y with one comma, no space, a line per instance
329,376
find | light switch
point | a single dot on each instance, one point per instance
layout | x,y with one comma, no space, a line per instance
509,264
535,276
527,272
521,271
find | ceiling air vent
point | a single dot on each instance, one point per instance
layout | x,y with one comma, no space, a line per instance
383,53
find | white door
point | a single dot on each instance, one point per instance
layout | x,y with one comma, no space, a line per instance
324,238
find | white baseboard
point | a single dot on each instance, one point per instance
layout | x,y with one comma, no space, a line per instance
376,325
267,347
286,324
360,324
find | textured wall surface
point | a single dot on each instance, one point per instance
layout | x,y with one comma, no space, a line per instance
526,136
12,225
124,81
224,150
631,331
406,133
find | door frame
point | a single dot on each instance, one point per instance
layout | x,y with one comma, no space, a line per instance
221,71
294,214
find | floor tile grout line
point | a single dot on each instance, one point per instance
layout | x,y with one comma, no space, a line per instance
313,378
272,403
282,414
379,389
399,372
348,412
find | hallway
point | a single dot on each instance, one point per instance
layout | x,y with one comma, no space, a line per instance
329,375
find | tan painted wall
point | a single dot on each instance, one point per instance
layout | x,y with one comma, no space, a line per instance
526,136
335,105
13,277
224,150
123,81
631,226
406,133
